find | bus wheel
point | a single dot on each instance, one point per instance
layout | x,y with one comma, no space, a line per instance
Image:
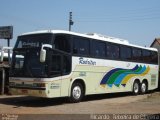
144,87
136,88
77,92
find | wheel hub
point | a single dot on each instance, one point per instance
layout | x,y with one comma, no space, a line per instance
143,87
136,88
76,92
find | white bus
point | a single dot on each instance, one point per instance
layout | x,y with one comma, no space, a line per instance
59,63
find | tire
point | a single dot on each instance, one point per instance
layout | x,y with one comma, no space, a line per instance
144,87
77,92
136,88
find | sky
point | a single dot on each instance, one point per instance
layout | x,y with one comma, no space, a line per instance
137,21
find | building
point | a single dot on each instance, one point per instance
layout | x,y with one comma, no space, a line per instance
156,44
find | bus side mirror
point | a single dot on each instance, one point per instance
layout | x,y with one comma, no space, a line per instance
43,52
2,55
42,55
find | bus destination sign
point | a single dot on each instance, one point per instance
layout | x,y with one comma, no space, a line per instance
6,32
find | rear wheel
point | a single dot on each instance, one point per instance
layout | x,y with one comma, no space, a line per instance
144,87
136,88
77,92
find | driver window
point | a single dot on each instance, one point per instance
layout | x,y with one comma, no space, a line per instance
55,65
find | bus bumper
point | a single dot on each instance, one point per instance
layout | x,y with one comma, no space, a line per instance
29,92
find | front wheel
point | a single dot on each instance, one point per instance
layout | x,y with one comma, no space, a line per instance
77,93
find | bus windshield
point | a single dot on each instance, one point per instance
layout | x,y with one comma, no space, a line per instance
26,63
26,56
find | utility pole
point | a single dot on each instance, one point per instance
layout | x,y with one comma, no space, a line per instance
9,57
70,20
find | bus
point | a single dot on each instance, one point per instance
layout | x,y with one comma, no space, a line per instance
58,63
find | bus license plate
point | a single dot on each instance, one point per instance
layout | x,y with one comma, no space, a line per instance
25,91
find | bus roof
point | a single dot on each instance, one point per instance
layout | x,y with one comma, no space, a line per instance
91,35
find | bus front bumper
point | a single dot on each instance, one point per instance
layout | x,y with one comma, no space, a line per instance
39,92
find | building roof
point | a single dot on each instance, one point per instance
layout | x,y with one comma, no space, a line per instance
156,40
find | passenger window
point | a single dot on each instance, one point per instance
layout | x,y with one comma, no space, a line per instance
98,49
81,46
137,54
154,57
146,56
112,51
125,53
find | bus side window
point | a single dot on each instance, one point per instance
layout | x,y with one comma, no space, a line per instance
154,57
125,53
146,56
62,42
98,49
112,51
81,46
137,54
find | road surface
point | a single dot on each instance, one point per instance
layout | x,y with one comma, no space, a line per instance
121,103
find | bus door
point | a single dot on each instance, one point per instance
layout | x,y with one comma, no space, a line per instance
56,74
60,68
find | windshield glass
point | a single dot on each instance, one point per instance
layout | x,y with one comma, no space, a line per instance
26,56
34,40
26,63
